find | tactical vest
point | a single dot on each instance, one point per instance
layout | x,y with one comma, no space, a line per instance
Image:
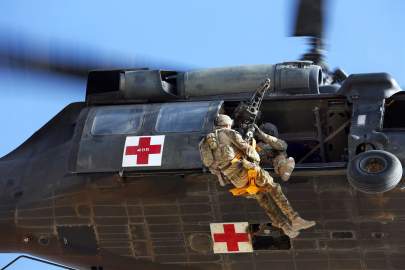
215,153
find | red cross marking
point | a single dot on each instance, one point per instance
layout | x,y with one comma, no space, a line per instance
230,237
143,150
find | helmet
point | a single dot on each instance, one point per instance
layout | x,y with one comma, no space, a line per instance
223,120
270,129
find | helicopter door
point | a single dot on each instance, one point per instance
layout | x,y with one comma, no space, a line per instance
145,137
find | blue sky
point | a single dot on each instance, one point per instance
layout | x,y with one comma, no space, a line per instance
362,36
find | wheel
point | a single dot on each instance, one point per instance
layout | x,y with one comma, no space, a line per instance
374,171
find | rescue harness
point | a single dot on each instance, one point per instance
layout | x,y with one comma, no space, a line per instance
251,188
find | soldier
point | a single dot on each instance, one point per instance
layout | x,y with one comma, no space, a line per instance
230,157
272,149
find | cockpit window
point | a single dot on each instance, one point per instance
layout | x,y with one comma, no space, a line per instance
117,120
182,117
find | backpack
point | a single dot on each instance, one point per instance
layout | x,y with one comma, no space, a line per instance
207,145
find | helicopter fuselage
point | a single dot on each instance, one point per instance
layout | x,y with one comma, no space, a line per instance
104,180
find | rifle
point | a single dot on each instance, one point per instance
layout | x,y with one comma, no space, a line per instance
247,111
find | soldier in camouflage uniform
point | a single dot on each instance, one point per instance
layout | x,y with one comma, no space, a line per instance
274,150
233,157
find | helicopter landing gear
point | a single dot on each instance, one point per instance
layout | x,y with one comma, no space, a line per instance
374,171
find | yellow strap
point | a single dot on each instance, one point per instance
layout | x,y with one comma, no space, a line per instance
251,188
237,158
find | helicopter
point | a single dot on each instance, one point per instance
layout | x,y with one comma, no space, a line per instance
116,181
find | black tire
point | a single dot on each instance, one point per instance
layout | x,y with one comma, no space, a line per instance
374,171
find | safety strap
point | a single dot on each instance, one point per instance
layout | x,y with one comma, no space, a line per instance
251,188
237,158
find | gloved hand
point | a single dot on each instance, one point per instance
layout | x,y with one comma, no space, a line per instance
253,155
259,132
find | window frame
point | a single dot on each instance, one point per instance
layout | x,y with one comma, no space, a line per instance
116,108
168,105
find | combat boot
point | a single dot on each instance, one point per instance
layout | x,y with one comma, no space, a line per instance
286,169
290,231
299,223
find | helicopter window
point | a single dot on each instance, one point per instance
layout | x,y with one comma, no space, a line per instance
182,117
110,121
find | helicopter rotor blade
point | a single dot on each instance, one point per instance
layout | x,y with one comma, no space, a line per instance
56,58
309,18
25,61
310,23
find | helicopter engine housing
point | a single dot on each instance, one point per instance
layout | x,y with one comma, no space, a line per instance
289,78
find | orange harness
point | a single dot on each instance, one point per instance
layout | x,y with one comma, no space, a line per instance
251,188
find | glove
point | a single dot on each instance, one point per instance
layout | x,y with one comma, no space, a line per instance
253,155
259,132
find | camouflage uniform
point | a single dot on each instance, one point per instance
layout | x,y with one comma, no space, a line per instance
273,149
233,157
278,219
231,144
